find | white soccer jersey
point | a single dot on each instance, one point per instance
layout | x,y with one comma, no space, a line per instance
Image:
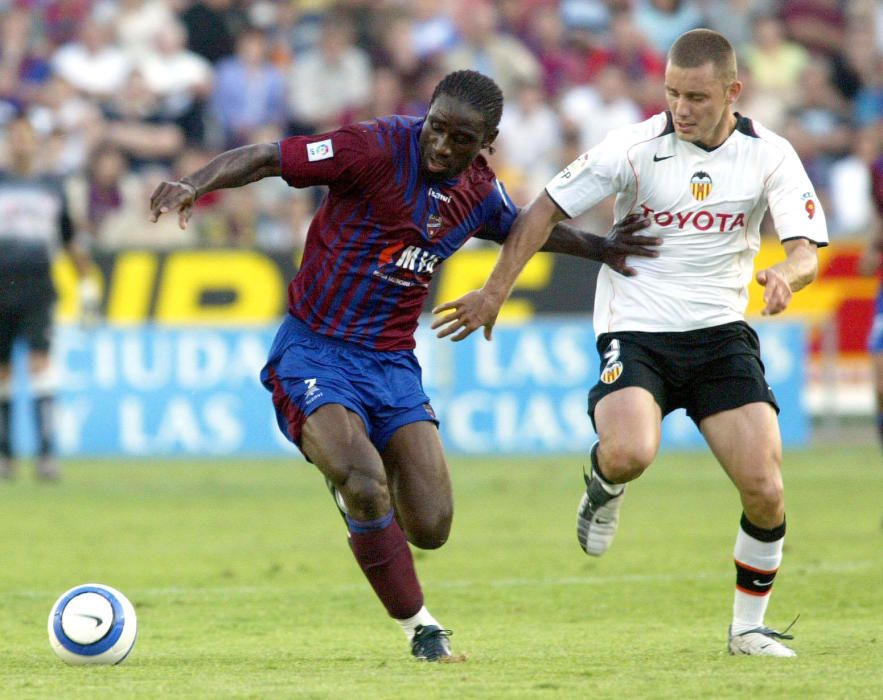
706,206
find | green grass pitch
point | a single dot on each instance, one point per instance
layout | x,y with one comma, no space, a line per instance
244,585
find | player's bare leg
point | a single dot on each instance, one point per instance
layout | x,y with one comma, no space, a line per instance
422,496
336,441
629,428
747,443
420,484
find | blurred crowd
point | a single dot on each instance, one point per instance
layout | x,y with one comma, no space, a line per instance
126,93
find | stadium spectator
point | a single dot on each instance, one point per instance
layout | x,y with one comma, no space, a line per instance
868,107
776,63
674,335
10,103
770,108
93,64
856,64
404,194
504,58
559,60
387,96
106,188
35,222
249,91
663,21
819,129
630,50
432,29
136,121
137,24
60,20
593,110
732,18
329,84
22,61
180,78
530,134
852,205
818,25
74,121
395,50
591,16
213,27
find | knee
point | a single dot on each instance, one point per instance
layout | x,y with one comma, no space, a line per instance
429,532
765,493
623,461
365,493
763,500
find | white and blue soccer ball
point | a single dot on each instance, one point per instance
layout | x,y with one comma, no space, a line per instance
92,624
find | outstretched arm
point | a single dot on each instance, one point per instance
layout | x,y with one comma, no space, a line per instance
233,168
781,280
613,249
480,308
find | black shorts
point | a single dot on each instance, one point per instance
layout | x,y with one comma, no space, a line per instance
705,371
30,320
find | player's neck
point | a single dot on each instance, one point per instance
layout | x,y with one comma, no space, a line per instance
721,133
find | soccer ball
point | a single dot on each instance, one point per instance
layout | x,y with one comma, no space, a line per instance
92,624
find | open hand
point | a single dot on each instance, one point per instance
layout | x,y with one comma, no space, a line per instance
776,291
173,196
467,314
623,241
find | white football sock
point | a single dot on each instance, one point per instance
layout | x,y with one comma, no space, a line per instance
749,606
421,619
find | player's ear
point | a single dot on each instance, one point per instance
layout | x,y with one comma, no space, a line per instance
734,89
489,139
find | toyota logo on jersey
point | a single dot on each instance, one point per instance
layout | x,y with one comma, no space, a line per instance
700,185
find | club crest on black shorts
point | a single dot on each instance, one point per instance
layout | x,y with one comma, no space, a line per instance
613,368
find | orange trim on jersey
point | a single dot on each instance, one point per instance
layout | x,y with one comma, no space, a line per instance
769,572
757,594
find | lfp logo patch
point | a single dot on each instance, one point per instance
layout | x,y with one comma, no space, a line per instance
809,204
320,150
700,185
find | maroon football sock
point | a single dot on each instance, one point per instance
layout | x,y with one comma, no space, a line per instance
383,554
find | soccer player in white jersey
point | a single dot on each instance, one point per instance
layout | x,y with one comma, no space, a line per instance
673,335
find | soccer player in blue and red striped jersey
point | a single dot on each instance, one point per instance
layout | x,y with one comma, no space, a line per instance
403,195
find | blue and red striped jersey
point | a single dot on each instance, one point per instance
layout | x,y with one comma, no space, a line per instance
383,228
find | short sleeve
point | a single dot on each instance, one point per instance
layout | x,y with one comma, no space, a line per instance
501,215
596,174
343,157
793,202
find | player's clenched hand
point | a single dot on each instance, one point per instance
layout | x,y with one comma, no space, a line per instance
467,314
776,291
173,196
623,241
